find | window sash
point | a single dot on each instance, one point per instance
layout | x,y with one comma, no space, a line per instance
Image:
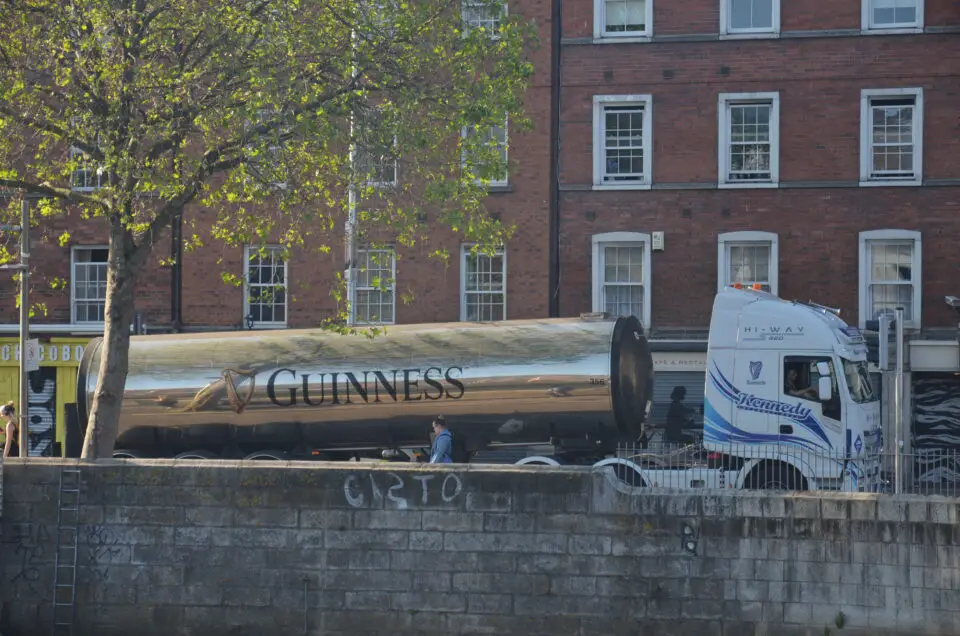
749,258
758,15
622,287
892,143
624,17
890,277
481,16
749,143
887,14
266,287
484,287
624,145
89,286
375,303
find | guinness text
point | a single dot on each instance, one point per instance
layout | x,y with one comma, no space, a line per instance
396,385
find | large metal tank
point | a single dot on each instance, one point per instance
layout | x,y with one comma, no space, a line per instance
573,382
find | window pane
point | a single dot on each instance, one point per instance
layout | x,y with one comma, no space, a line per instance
891,262
484,287
892,138
623,143
266,290
751,14
750,142
623,16
749,264
623,300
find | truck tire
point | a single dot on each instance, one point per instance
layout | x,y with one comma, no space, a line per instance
123,453
196,454
268,455
776,476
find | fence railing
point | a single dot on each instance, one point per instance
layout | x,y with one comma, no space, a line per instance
791,467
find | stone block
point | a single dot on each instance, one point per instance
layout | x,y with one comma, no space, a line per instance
589,544
367,600
446,522
489,501
508,522
768,570
367,539
490,561
701,609
358,559
528,584
505,542
210,516
428,602
834,509
501,604
377,580
268,517
432,581
802,506
387,520
892,509
573,585
863,509
326,519
430,541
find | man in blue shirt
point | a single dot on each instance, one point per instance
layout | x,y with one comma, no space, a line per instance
442,451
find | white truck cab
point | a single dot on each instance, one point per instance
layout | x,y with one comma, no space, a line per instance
787,387
788,404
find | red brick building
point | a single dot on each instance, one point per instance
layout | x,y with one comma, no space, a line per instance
811,147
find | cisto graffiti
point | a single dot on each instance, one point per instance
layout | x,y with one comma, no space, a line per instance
392,490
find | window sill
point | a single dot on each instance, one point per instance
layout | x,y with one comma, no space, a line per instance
760,35
880,183
600,187
265,326
904,30
639,38
499,187
761,185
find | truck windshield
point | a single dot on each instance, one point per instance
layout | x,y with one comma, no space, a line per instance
858,381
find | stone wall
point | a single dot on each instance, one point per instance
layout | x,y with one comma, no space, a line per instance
264,548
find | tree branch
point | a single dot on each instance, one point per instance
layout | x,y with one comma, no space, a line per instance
50,190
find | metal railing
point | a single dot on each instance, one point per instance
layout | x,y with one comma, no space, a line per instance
785,467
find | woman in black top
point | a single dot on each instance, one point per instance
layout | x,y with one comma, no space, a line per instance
11,447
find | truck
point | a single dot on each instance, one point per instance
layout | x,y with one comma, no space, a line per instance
551,391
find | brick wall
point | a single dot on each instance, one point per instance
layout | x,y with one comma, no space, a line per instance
819,208
225,548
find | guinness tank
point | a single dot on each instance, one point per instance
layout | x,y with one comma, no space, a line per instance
577,383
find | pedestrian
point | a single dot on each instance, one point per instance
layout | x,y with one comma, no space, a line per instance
442,451
11,445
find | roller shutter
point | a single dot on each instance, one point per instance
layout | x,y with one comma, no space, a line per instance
664,383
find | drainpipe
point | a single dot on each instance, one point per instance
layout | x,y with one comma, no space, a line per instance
554,220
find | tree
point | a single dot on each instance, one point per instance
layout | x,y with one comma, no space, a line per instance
228,108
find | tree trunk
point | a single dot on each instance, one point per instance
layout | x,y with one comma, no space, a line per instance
104,416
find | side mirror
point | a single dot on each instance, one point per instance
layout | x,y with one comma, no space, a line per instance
825,388
823,369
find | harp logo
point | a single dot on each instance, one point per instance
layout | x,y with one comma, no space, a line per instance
756,367
234,381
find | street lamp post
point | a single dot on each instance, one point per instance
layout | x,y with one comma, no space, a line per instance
23,266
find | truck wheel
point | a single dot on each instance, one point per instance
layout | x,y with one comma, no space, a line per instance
196,454
123,453
279,456
777,476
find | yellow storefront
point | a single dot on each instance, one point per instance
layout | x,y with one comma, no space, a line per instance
51,387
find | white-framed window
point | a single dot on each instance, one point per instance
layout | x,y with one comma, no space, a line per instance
890,275
621,274
87,176
264,157
495,139
748,258
749,149
483,285
265,286
483,15
622,141
891,136
376,168
88,283
619,19
376,290
749,18
891,15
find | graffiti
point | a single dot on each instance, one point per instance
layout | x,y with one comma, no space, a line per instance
400,493
28,541
102,544
43,406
